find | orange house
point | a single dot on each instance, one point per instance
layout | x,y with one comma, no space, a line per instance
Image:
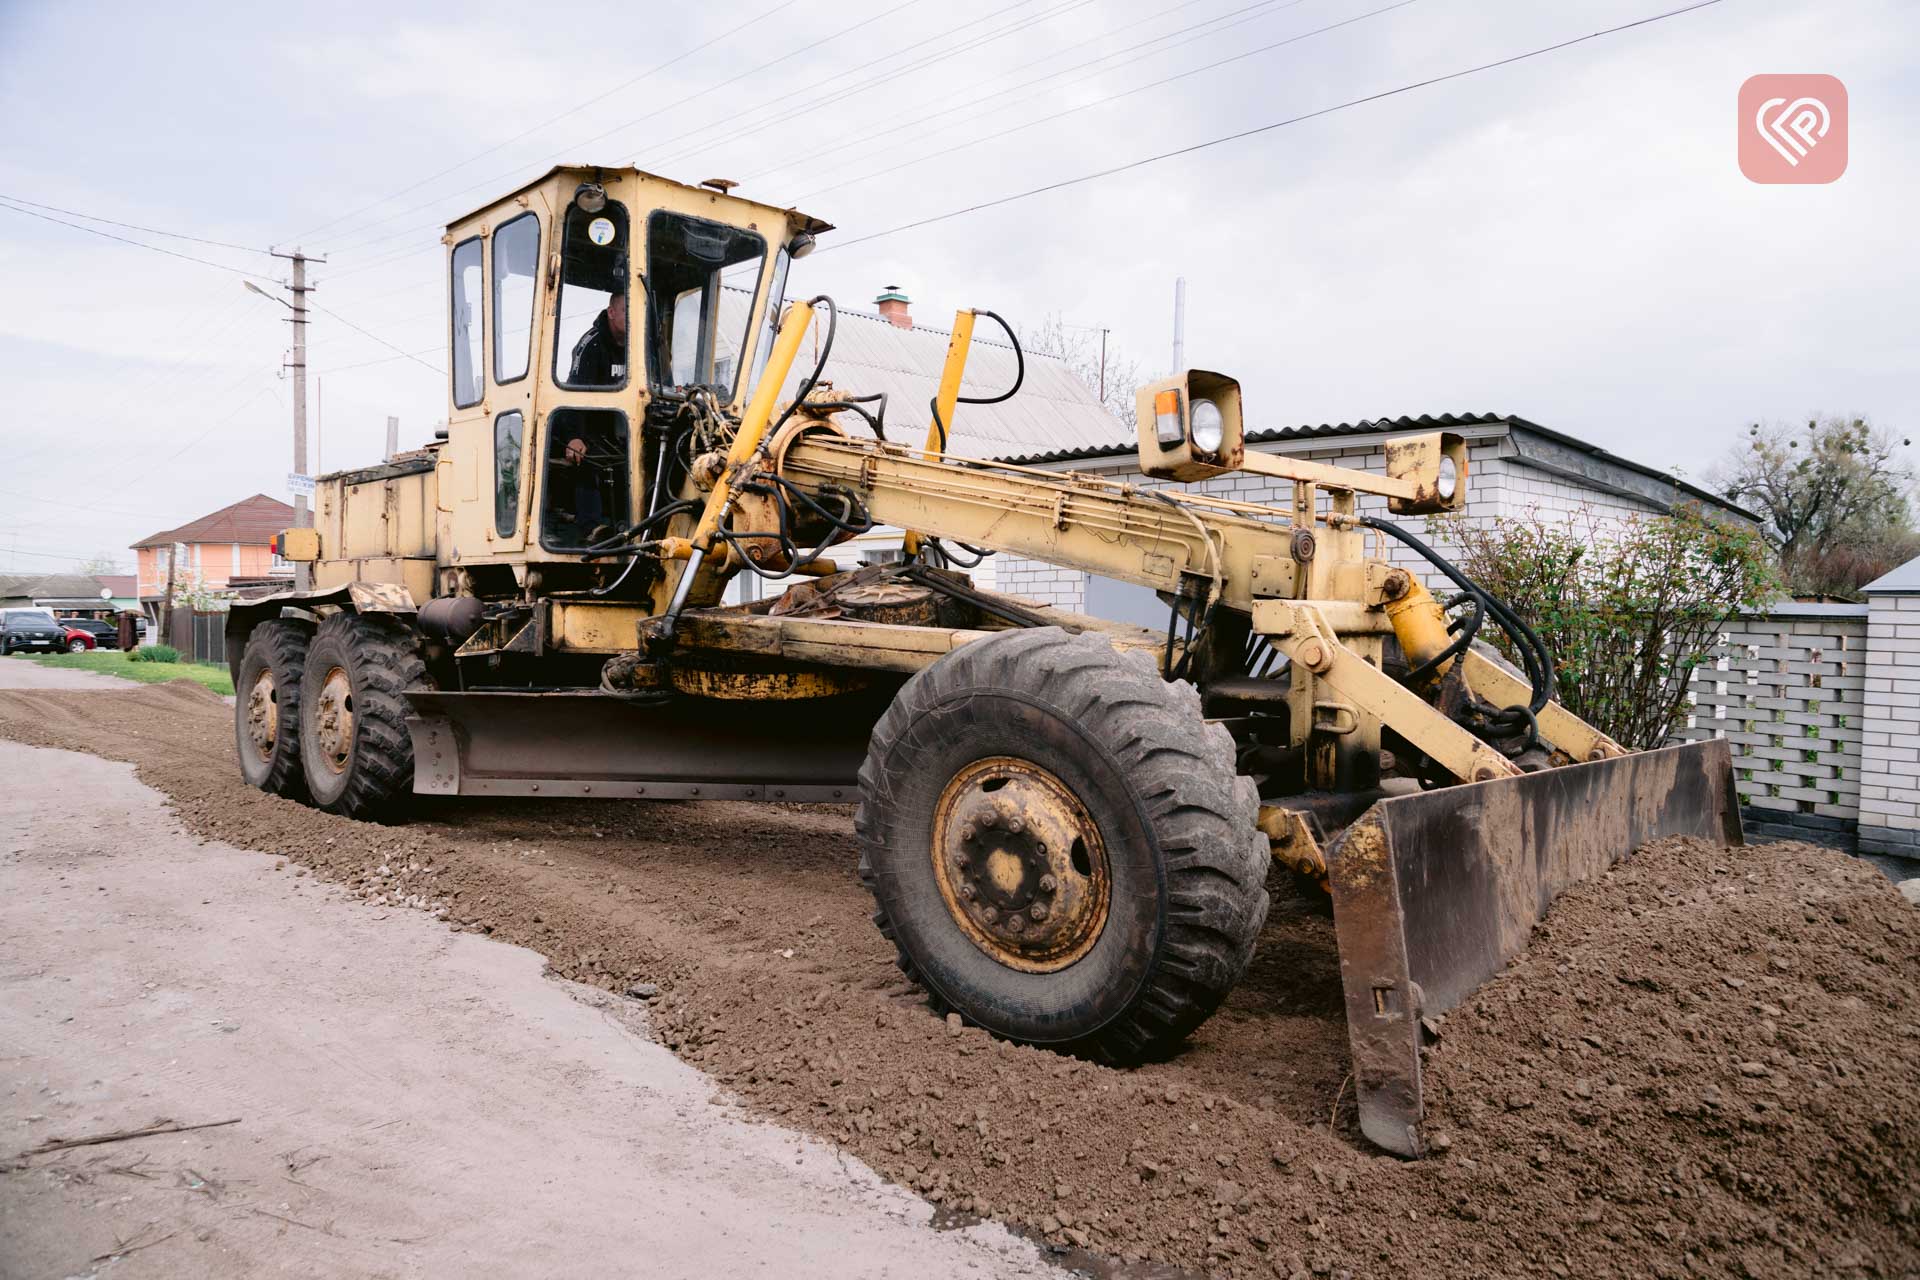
227,548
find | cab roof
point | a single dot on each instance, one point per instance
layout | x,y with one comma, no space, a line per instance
801,221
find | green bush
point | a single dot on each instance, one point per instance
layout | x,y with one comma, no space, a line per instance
1629,608
155,653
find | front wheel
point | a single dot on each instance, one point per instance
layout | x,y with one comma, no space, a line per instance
77,646
354,745
1059,845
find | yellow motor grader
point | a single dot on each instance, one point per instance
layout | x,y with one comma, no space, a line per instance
1067,823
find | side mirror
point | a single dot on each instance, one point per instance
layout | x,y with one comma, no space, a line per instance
1436,466
1190,426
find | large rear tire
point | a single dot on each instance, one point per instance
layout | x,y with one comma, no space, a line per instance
354,747
1059,845
266,709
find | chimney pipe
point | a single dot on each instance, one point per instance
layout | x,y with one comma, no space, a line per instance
893,307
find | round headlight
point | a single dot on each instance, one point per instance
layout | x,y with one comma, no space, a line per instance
1206,426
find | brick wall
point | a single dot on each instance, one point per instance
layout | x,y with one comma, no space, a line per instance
1890,746
1786,690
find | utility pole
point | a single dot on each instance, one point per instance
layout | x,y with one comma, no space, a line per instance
1103,364
393,436
302,516
166,607
1179,324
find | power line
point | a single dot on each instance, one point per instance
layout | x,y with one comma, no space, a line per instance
784,104
377,338
1268,128
1243,16
579,146
551,120
1112,97
138,244
152,231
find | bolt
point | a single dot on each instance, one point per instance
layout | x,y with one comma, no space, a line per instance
990,914
968,892
1048,884
1016,826
1016,922
966,833
1397,584
1038,911
1042,849
959,862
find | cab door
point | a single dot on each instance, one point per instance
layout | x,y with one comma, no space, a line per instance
513,304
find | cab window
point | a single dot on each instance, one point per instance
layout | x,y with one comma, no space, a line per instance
508,431
516,264
467,324
702,278
590,339
585,485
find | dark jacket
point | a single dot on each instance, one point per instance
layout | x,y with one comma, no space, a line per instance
596,356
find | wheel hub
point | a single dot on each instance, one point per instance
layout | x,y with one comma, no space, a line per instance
263,714
333,720
1020,864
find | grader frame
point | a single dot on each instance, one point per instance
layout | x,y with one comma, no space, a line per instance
611,670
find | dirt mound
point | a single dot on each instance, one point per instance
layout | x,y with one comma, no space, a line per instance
1706,1063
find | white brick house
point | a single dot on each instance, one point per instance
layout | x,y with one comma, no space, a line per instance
1514,466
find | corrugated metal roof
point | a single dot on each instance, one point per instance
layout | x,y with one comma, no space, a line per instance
1375,426
1053,412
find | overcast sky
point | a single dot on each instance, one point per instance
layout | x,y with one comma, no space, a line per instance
1568,239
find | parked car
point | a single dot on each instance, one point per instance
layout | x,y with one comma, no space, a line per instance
30,629
105,634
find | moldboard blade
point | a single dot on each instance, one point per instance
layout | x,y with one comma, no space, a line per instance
1432,893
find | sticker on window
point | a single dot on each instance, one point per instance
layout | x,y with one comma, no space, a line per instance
600,231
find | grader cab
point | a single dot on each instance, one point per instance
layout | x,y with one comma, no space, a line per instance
1067,824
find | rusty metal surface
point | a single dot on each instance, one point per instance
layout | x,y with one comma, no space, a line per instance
1433,892
505,743
381,597
1020,865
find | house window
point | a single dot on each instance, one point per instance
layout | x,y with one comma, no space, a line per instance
516,264
508,429
467,323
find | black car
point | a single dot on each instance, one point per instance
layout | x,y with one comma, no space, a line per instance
30,629
105,634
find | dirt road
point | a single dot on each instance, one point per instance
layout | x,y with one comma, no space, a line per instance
1707,1062
409,1101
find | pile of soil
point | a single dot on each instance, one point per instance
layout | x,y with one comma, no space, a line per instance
1707,1062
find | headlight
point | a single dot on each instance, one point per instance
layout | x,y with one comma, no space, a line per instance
1206,426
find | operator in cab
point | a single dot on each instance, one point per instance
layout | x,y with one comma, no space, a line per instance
600,357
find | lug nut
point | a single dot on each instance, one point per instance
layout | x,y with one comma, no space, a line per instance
1042,849
990,914
1038,911
1048,884
968,892
1016,922
959,862
966,833
1016,826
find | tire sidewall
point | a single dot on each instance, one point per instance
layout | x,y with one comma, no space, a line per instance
328,650
1071,1004
283,767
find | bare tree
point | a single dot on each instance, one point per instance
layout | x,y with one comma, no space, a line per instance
1112,378
1834,497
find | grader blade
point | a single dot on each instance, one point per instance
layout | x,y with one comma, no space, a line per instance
1432,893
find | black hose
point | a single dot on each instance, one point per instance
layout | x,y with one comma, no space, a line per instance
1533,653
1019,379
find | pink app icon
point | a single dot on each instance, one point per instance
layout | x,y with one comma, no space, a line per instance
1793,128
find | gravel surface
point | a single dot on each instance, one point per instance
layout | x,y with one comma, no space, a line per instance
1708,1062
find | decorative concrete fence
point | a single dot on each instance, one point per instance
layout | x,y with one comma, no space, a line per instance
1821,704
